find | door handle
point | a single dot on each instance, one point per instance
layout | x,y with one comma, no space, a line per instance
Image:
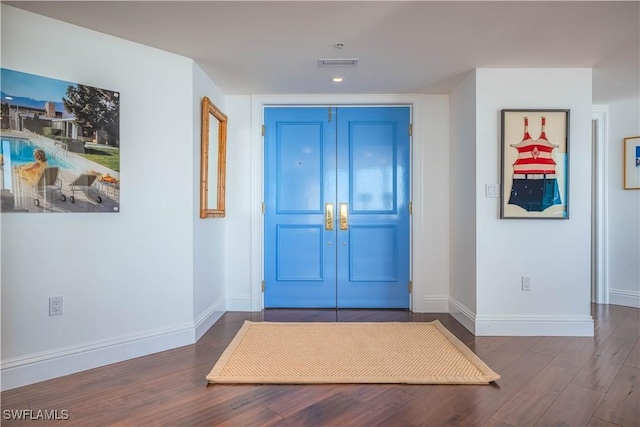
344,216
328,216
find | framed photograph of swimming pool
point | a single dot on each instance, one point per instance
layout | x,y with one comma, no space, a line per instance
60,146
632,163
534,164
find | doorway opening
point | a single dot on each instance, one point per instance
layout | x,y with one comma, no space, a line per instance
599,129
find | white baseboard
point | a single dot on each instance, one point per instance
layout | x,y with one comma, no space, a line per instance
435,304
462,314
239,303
210,316
624,297
21,371
574,326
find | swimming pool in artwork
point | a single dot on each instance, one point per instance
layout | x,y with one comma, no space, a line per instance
18,151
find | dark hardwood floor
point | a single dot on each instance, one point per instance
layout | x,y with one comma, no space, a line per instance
546,381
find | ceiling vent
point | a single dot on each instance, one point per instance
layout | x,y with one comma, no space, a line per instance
338,62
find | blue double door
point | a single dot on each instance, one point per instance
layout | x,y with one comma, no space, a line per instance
336,220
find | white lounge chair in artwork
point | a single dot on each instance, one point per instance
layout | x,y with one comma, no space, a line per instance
84,183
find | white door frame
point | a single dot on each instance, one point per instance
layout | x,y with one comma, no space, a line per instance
599,243
258,102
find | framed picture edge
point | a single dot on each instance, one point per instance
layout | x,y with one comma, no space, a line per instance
625,164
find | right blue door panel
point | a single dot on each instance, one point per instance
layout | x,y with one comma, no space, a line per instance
373,180
336,197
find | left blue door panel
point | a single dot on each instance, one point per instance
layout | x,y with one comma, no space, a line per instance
300,169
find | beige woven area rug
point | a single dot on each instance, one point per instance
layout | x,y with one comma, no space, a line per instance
305,353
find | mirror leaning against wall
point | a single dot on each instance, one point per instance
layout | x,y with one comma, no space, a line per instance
213,160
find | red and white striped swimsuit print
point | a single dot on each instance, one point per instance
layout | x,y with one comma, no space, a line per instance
535,186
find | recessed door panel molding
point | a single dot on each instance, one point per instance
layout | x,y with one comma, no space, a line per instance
299,168
300,252
373,167
373,253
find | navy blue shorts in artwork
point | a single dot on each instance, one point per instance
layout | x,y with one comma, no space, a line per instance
535,195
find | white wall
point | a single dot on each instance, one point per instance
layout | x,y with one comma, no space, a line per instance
430,195
126,278
462,203
209,255
623,210
238,239
555,253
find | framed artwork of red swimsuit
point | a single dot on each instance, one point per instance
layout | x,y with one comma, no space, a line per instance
535,164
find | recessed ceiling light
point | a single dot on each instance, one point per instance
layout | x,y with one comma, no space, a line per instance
337,79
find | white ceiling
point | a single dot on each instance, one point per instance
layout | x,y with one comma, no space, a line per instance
270,47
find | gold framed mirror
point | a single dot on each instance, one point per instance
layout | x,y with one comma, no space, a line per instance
213,160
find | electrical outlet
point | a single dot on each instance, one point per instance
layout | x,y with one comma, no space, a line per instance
55,306
526,283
